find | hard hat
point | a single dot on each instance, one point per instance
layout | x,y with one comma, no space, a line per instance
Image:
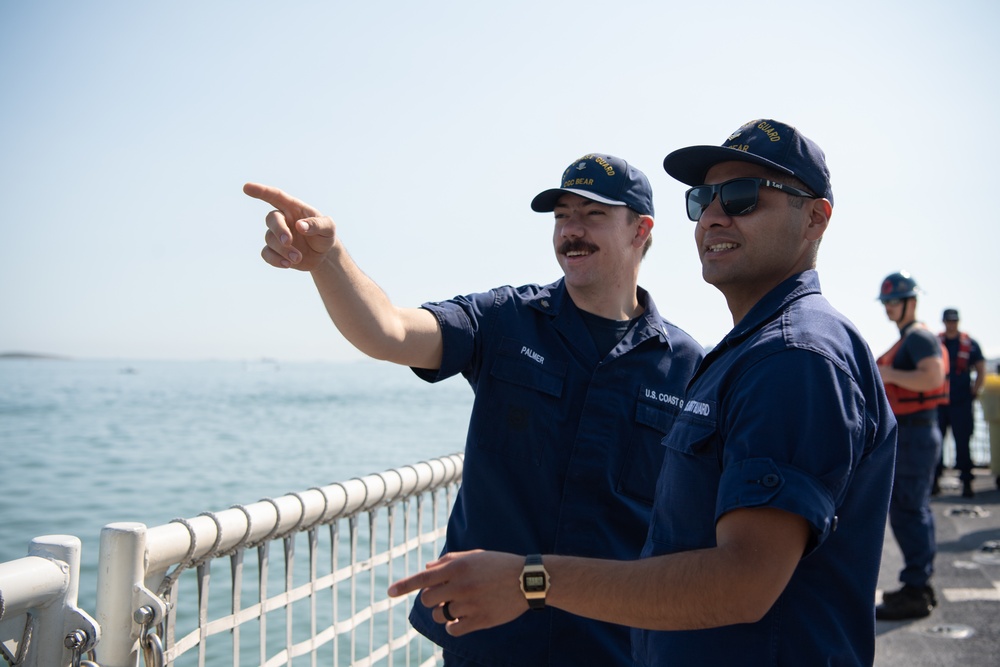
899,285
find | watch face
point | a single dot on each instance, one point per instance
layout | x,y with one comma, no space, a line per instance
534,582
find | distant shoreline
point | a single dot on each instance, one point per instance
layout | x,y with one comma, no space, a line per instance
31,355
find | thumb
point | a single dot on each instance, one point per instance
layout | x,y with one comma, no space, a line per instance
315,226
318,232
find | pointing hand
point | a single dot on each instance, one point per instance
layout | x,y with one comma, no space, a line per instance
298,236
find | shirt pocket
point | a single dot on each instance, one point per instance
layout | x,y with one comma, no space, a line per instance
687,491
655,413
523,403
525,367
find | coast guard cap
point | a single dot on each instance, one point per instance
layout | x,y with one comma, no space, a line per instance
602,178
950,315
768,143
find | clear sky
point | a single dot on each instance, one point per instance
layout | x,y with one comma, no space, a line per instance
425,128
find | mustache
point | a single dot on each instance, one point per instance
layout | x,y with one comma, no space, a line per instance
570,246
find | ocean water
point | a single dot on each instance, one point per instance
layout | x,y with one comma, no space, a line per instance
86,443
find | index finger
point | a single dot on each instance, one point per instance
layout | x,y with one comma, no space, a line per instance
416,582
278,198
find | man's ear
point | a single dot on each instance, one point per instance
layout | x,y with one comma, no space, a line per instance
820,211
643,229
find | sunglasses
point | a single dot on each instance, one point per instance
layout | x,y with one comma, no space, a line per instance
738,196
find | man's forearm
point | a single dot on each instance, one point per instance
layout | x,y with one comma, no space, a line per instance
920,379
736,581
363,313
977,384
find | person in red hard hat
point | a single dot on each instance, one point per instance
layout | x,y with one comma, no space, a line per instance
914,373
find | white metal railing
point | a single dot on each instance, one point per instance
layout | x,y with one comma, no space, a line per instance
156,599
40,623
153,586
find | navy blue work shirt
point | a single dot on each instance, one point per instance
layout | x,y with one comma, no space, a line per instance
562,453
788,411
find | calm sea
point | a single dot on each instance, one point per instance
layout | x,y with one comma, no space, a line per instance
87,443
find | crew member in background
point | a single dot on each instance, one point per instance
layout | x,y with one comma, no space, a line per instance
576,384
964,356
914,373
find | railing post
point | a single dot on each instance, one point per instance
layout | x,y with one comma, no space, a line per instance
59,616
120,574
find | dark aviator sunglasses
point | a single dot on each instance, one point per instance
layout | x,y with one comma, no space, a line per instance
738,196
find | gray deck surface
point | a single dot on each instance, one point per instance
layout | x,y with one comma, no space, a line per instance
964,629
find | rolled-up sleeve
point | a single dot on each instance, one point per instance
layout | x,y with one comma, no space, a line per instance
802,461
458,319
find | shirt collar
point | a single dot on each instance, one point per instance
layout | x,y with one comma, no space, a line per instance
552,299
772,304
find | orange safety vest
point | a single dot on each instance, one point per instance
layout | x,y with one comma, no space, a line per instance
904,401
964,352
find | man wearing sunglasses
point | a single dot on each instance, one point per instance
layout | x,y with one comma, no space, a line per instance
914,371
769,515
576,383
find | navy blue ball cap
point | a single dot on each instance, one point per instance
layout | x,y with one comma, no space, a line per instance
602,178
949,315
766,142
